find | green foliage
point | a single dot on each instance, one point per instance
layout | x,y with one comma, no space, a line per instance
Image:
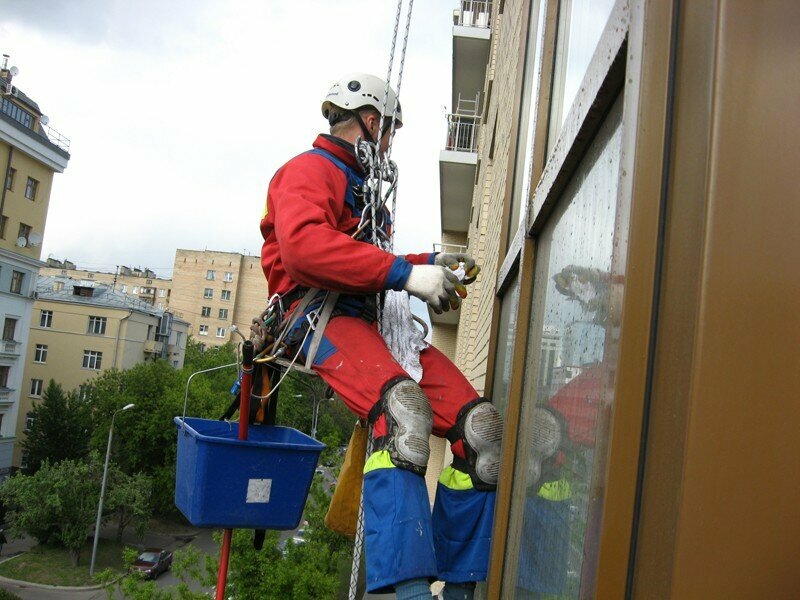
129,496
56,505
6,595
60,429
306,571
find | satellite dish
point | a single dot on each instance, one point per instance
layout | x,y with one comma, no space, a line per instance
34,240
22,242
14,71
44,119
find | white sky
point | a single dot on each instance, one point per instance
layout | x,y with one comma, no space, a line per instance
179,113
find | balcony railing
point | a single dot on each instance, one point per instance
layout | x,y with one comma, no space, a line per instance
10,347
449,248
473,13
462,132
56,138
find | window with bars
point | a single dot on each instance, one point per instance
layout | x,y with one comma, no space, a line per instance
17,279
92,360
97,325
10,179
31,187
9,329
40,353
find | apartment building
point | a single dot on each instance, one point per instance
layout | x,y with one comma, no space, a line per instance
81,328
630,194
214,290
31,153
141,284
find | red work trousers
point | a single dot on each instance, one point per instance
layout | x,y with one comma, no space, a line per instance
354,360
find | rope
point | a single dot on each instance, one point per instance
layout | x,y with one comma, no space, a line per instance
378,168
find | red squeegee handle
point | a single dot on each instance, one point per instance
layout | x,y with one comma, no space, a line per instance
244,416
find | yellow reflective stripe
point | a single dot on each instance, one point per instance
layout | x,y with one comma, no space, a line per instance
555,490
455,479
378,460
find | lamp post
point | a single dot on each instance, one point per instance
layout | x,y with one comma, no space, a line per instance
103,489
315,412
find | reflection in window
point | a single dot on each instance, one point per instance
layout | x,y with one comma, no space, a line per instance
506,332
569,383
580,25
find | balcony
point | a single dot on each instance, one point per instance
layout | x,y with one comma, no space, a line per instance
153,347
471,33
9,348
5,395
457,163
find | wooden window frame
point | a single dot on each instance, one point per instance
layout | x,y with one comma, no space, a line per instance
621,60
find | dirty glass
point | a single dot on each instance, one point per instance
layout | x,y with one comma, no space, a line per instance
580,25
569,382
527,121
505,346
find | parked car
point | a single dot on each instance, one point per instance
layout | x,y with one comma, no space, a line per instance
153,562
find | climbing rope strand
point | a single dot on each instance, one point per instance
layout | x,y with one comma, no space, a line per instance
394,114
358,545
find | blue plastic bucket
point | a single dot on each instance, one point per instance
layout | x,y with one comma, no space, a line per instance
258,483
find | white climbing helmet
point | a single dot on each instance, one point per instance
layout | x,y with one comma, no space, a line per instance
358,90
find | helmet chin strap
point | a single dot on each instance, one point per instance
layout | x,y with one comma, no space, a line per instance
363,126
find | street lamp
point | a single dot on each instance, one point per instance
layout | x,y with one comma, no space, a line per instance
315,413
103,489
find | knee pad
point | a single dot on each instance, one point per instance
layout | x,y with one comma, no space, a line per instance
409,420
480,427
545,441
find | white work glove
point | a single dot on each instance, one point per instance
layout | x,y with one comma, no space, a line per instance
454,260
436,285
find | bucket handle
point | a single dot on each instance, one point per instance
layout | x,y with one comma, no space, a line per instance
188,381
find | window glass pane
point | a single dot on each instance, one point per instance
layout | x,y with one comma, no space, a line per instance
580,25
569,382
505,346
527,123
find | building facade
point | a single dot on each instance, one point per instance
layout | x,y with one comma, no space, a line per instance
80,329
213,291
141,284
625,292
31,152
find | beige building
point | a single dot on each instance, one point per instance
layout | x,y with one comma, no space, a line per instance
82,328
141,284
214,290
31,152
630,192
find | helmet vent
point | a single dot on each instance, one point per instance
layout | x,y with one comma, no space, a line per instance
354,86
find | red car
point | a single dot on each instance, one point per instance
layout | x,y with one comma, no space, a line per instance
153,562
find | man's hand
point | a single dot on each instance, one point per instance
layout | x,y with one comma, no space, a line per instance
436,285
454,260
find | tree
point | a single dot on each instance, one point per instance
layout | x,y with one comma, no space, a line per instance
60,428
130,496
57,504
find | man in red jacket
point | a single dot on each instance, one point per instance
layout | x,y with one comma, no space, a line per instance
314,205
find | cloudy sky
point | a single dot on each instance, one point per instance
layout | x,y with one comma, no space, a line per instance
179,113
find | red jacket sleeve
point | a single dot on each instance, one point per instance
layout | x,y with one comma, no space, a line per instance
307,196
421,259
